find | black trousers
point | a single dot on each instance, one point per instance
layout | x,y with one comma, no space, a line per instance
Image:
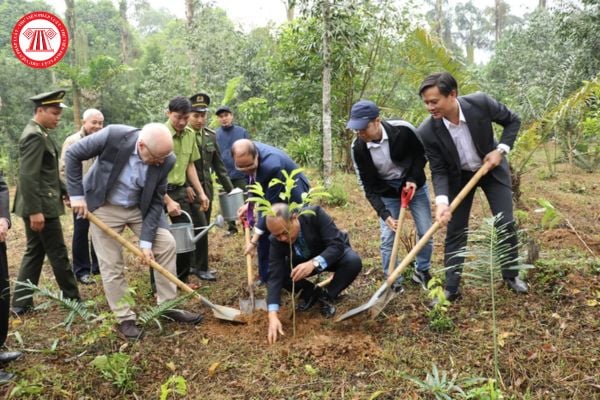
499,197
4,294
48,242
345,272
85,261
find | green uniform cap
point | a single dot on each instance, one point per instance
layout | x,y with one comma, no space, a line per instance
200,102
50,99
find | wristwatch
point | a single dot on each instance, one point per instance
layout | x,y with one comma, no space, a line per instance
317,265
502,150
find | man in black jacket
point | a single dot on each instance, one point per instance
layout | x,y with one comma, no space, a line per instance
459,139
388,158
317,245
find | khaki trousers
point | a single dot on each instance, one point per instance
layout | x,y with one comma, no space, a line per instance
110,257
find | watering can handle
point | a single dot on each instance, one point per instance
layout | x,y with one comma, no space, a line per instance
187,215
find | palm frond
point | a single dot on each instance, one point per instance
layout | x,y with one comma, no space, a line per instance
489,251
154,314
74,307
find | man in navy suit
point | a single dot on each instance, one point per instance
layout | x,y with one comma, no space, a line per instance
458,139
317,245
125,187
261,163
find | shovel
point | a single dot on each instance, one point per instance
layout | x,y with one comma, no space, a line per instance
220,312
405,197
249,305
379,300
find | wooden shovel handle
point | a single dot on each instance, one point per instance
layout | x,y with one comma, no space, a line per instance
248,257
423,241
135,250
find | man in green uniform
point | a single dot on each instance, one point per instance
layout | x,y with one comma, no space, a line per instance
184,170
39,201
210,160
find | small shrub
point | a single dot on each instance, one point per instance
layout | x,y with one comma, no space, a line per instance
116,368
338,196
305,150
438,315
175,385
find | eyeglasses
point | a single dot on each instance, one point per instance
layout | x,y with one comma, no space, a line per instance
154,157
246,168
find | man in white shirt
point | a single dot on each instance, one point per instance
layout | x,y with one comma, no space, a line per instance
458,139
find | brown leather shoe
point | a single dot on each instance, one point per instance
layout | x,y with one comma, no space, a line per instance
129,330
186,317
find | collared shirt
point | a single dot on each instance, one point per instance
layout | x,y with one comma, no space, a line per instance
186,151
302,251
461,136
127,191
380,153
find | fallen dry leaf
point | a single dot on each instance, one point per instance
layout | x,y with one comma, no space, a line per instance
549,348
171,366
213,368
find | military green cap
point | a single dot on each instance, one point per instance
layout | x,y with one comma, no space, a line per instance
200,102
50,99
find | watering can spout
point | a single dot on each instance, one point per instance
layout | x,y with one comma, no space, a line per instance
219,221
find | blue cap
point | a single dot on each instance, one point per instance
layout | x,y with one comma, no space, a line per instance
361,113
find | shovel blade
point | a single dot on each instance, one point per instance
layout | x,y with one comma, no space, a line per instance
382,302
247,306
227,314
372,301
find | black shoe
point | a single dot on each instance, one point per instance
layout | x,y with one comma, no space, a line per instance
517,285
421,277
186,317
306,304
129,330
397,286
6,377
206,275
85,279
450,296
231,232
8,356
20,310
326,304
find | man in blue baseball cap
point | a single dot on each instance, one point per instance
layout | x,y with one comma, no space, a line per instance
389,158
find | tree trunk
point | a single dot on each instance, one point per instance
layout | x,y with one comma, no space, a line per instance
190,11
497,19
290,8
327,152
70,19
542,4
470,54
125,36
439,19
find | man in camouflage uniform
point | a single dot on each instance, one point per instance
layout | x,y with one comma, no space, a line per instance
210,160
39,201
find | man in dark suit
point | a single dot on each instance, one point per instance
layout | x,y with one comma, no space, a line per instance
125,187
262,163
317,246
5,356
459,139
388,158
39,201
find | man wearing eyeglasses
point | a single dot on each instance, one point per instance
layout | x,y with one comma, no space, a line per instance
178,198
388,158
261,163
126,187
